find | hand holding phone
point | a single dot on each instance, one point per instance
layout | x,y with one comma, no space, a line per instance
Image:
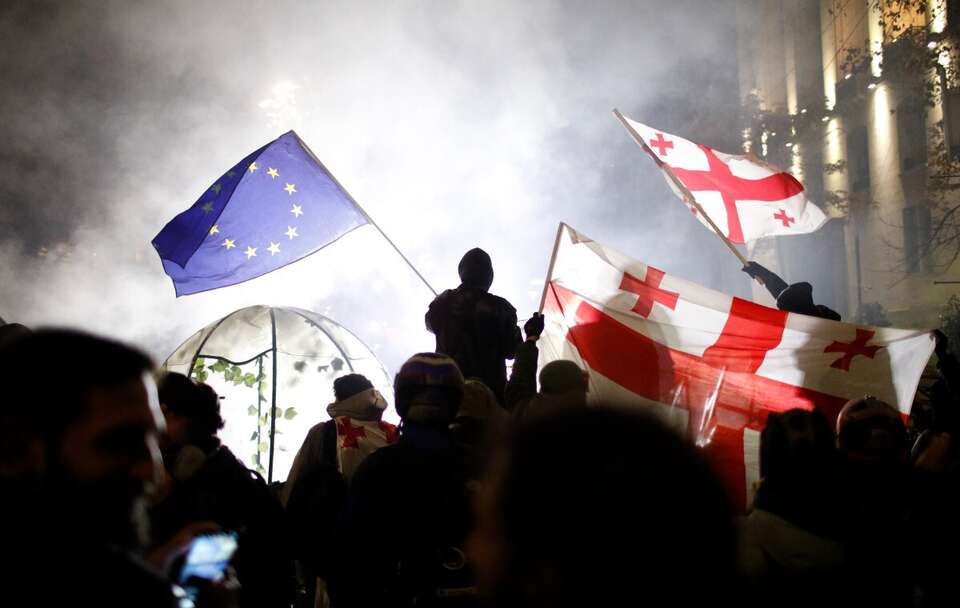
208,556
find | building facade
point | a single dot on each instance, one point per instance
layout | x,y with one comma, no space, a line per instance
856,98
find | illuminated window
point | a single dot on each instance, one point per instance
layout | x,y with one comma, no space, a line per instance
952,120
912,136
953,15
916,237
858,159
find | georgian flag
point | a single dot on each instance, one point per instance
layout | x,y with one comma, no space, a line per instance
357,439
712,365
747,199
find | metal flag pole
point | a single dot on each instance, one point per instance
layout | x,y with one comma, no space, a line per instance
687,195
365,214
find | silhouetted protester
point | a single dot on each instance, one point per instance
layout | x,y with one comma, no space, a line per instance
941,415
793,537
85,417
356,402
797,297
402,530
12,332
872,439
478,422
934,523
208,483
323,467
596,507
935,456
562,383
474,327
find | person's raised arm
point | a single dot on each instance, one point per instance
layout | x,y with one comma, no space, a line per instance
774,284
522,385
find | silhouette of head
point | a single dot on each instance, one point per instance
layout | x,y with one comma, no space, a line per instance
192,412
476,269
869,429
428,389
347,386
795,443
88,405
593,505
561,377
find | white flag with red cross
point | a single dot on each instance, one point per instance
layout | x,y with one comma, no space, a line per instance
357,439
747,199
712,364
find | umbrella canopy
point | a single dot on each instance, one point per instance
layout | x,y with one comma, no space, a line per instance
274,369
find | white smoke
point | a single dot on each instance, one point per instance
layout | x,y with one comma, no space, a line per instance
454,124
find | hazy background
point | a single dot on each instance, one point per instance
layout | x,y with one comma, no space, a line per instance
454,124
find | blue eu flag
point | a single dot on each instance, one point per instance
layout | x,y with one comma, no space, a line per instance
274,207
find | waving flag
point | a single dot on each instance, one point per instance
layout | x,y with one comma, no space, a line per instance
713,364
746,198
274,207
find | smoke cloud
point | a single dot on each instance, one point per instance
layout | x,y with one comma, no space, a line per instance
455,124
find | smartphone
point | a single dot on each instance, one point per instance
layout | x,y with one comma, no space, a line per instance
208,556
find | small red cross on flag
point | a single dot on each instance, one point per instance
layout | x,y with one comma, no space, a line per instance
746,198
783,217
661,144
852,349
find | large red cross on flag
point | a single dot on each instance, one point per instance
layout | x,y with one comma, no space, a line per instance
713,365
746,198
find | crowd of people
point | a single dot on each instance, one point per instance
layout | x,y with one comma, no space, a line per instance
494,490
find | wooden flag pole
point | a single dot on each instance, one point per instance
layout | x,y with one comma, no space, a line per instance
553,260
366,215
687,195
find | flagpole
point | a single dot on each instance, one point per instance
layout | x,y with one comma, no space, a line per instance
687,195
365,214
553,260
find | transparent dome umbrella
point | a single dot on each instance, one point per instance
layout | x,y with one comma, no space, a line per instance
274,368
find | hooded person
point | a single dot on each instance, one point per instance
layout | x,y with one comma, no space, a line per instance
475,328
208,483
872,440
404,523
354,431
479,421
792,538
317,484
796,298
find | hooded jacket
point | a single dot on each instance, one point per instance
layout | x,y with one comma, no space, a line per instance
367,406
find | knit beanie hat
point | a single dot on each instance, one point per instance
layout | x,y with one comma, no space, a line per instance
428,389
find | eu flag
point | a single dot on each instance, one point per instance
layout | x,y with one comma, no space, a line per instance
274,207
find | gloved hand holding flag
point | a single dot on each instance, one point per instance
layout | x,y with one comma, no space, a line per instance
746,199
274,207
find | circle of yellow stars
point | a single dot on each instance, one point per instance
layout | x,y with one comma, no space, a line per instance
250,251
